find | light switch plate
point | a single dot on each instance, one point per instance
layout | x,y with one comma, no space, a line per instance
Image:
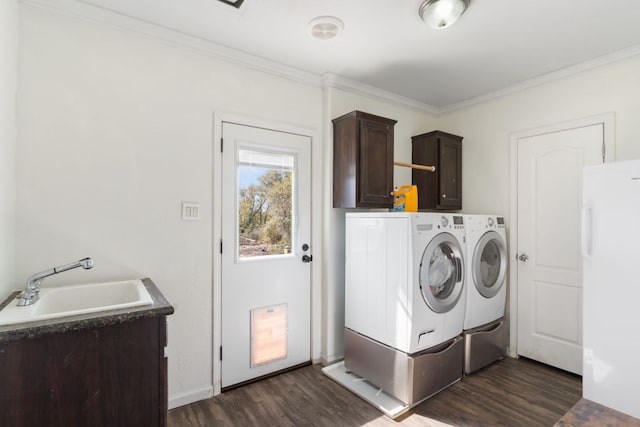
190,211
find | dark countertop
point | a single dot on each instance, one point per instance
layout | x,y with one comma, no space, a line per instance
588,413
28,330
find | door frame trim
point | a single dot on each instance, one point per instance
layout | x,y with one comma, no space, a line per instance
608,120
316,222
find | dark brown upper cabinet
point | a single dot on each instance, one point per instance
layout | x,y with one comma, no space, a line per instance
362,161
441,189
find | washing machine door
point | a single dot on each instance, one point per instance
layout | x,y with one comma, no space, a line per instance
489,264
441,273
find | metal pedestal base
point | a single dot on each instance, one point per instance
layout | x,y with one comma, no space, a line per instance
409,378
484,345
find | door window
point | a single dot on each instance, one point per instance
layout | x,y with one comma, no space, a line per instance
265,203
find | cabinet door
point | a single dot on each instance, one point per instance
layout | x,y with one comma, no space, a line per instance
106,376
450,185
375,177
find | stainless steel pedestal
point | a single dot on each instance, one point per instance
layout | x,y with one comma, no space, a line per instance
410,378
484,345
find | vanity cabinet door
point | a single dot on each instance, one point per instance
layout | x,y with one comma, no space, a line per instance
441,189
362,161
114,375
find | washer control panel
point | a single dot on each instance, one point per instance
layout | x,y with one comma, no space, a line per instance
455,222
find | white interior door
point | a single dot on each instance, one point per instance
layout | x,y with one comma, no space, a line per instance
550,264
265,236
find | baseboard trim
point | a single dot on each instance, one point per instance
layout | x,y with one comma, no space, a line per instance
191,396
329,360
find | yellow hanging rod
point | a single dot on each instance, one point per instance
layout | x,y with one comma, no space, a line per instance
414,166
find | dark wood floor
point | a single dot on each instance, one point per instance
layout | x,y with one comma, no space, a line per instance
508,393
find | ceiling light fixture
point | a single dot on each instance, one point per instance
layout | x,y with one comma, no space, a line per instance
325,27
440,14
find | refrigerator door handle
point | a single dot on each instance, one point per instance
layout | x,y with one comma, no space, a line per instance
587,231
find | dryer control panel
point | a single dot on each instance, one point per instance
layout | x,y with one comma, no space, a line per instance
492,222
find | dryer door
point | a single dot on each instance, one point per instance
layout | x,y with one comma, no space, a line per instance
441,273
489,264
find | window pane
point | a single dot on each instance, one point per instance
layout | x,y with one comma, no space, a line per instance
264,203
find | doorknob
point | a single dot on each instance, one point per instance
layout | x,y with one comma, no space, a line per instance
307,258
523,257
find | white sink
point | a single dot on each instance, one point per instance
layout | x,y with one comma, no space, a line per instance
78,299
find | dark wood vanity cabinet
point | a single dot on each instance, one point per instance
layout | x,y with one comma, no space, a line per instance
362,161
441,189
114,375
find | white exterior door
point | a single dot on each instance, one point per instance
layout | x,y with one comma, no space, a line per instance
549,270
265,236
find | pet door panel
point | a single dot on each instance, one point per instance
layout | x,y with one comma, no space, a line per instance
268,334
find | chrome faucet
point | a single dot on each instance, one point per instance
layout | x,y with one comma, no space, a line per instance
32,290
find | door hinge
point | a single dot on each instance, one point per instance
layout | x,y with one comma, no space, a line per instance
221,145
220,245
220,352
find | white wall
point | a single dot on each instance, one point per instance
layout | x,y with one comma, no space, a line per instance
8,70
116,130
410,122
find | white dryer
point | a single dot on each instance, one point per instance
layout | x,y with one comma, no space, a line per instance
485,332
404,278
486,269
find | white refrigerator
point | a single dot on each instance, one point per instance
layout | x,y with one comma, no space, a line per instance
611,285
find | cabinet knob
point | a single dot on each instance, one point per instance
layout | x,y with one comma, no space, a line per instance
444,196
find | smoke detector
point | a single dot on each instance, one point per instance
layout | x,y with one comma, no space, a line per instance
325,27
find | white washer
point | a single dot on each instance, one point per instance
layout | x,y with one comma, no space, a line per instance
486,269
404,277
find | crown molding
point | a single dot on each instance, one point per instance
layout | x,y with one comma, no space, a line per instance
358,88
96,14
546,78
